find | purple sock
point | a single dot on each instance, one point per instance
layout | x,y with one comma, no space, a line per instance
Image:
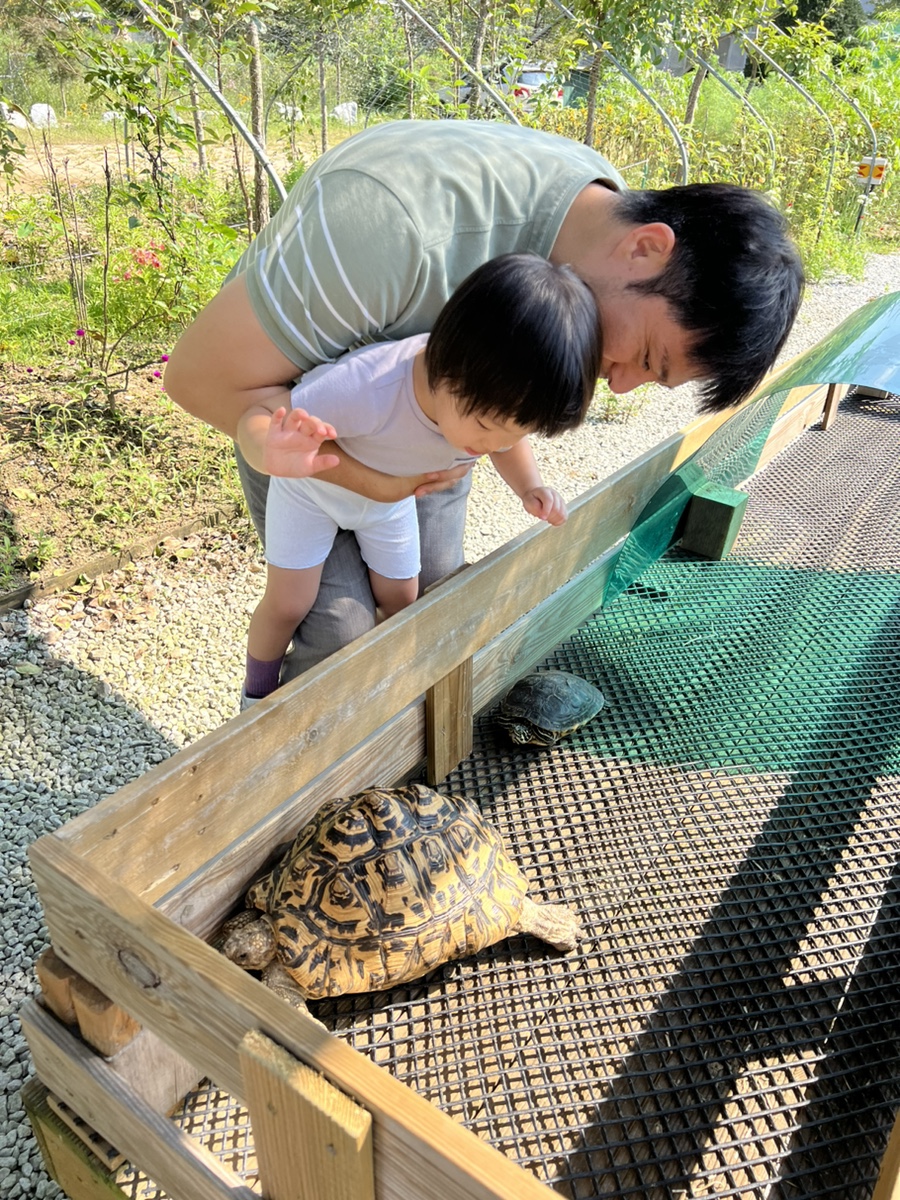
261,677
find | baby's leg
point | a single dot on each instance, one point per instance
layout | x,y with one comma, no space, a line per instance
288,597
391,595
390,548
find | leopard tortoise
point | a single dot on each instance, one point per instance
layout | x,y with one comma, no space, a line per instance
380,888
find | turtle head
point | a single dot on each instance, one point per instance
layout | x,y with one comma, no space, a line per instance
249,940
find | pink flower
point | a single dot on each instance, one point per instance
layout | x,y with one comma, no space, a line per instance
71,341
79,333
158,374
164,358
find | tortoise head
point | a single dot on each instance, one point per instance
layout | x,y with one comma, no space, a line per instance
249,940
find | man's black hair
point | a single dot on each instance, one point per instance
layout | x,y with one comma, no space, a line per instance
734,280
519,340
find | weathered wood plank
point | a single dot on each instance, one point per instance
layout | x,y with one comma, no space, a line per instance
448,721
152,1142
312,1141
202,1005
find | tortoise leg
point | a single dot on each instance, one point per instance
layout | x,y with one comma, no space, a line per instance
276,977
553,923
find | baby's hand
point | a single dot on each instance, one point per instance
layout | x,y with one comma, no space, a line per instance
545,503
292,444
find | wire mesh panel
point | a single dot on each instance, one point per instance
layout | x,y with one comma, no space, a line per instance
728,828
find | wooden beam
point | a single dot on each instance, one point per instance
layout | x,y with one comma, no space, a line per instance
199,824
312,1141
448,722
180,1166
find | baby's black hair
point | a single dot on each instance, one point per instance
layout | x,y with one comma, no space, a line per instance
519,340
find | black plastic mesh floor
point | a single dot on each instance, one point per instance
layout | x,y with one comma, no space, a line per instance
728,827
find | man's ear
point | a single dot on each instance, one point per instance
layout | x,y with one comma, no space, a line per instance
648,249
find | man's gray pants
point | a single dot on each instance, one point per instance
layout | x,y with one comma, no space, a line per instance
345,608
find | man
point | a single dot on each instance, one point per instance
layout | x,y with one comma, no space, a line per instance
691,283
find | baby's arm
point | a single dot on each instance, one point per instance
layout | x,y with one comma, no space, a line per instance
517,467
285,441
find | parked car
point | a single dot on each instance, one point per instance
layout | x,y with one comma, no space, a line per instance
520,84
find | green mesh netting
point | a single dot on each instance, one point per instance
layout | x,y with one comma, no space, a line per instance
862,350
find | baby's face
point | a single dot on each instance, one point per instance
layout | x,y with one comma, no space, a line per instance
475,433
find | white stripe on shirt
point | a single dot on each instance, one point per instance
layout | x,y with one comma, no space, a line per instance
282,264
373,324
314,351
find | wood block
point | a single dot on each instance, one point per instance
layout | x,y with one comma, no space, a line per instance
102,1023
713,520
56,979
80,1174
312,1141
448,722
154,1071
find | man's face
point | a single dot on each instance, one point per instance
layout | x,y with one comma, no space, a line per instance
642,343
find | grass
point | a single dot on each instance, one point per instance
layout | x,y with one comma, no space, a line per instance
80,480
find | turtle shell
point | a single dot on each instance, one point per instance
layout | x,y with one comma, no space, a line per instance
385,885
546,705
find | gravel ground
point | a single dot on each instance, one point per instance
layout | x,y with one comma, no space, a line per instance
97,686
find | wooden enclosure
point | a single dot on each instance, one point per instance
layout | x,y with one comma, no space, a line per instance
132,888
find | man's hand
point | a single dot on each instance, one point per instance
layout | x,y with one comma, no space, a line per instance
546,504
441,481
292,445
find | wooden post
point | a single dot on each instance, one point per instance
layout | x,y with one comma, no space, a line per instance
887,1186
833,396
713,520
449,714
312,1141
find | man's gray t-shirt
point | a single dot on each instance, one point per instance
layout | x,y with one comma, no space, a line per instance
377,234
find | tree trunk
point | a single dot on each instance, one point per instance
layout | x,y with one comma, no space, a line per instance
236,150
196,114
476,55
696,83
323,104
593,83
257,126
410,64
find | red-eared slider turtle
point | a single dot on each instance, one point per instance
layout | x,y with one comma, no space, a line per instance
380,888
546,705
